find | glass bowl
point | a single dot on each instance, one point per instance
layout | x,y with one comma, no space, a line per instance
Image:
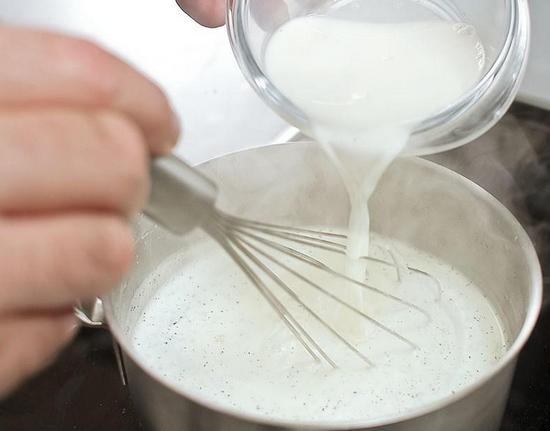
502,25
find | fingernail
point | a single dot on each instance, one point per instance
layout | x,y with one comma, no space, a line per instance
176,132
176,124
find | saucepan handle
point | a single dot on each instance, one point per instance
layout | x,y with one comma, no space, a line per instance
91,314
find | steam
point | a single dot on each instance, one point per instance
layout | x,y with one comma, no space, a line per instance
512,162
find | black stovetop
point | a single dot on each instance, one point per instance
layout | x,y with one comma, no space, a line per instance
82,391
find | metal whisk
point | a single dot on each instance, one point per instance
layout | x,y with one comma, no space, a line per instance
182,199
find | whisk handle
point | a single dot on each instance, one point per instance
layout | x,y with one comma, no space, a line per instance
181,197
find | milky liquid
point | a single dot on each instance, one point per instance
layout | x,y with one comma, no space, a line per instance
365,86
207,331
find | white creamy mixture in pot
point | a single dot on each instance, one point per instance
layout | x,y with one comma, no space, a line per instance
208,331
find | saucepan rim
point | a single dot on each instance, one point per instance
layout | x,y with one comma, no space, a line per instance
534,306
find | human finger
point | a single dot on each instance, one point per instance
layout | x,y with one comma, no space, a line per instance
45,68
54,261
210,13
66,159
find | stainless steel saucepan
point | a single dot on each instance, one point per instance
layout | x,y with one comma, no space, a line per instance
418,202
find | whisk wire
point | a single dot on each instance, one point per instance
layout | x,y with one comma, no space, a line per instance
251,245
319,265
317,317
311,238
329,294
293,325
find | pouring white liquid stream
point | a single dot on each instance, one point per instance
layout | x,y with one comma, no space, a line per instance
364,87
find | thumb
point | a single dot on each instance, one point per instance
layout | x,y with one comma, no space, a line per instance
210,13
